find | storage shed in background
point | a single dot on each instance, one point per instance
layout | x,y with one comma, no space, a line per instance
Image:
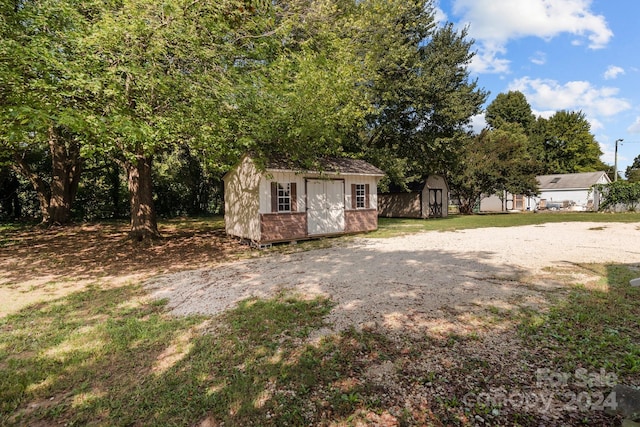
427,199
283,204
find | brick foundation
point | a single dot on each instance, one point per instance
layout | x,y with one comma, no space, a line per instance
360,220
276,227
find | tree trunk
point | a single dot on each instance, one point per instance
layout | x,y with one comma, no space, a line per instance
66,167
144,226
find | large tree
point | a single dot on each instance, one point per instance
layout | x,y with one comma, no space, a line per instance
47,96
302,92
508,108
422,97
166,72
568,144
493,162
562,143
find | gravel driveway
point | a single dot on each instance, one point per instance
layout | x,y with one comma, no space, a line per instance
411,282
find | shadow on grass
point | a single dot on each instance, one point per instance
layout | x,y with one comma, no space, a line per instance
596,326
111,357
91,251
108,357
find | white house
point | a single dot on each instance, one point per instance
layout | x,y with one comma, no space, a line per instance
571,191
282,204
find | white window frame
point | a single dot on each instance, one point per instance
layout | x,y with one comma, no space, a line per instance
361,196
284,197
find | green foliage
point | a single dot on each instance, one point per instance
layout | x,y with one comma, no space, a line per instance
493,162
510,108
619,194
420,88
132,80
561,144
632,172
305,97
184,187
569,145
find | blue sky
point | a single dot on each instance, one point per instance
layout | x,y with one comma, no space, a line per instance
577,55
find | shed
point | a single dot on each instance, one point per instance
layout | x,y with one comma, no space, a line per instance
426,199
569,191
284,204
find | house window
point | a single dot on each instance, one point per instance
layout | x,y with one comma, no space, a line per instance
518,202
284,197
361,196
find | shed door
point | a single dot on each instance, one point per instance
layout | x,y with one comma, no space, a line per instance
325,208
435,202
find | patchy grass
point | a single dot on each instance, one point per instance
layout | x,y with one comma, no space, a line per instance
95,350
110,357
390,227
114,357
595,326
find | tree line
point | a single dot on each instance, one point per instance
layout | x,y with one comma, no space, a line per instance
116,107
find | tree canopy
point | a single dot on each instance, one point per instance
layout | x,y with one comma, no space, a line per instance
92,84
632,173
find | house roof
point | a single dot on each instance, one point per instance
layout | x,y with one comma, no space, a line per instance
339,165
571,180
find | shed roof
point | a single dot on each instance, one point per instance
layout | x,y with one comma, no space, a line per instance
570,180
340,165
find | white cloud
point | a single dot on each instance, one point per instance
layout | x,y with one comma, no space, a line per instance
544,114
613,72
487,61
540,58
596,124
635,127
608,153
574,95
478,122
439,14
492,23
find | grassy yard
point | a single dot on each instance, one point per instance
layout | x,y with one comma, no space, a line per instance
94,349
388,227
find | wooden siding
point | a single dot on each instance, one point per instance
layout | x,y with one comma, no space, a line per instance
241,201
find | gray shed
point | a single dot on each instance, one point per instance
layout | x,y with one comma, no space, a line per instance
427,199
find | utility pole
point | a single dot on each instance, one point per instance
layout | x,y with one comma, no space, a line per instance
615,167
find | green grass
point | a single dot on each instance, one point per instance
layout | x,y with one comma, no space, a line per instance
113,357
109,357
594,327
389,227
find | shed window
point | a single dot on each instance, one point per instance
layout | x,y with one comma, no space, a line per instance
361,196
284,197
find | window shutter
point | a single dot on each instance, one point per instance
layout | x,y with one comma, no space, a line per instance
274,197
353,196
366,196
294,197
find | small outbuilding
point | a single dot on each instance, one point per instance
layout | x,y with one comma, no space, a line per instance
426,199
280,203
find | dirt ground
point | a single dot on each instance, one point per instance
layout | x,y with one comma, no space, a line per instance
454,290
425,281
39,264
